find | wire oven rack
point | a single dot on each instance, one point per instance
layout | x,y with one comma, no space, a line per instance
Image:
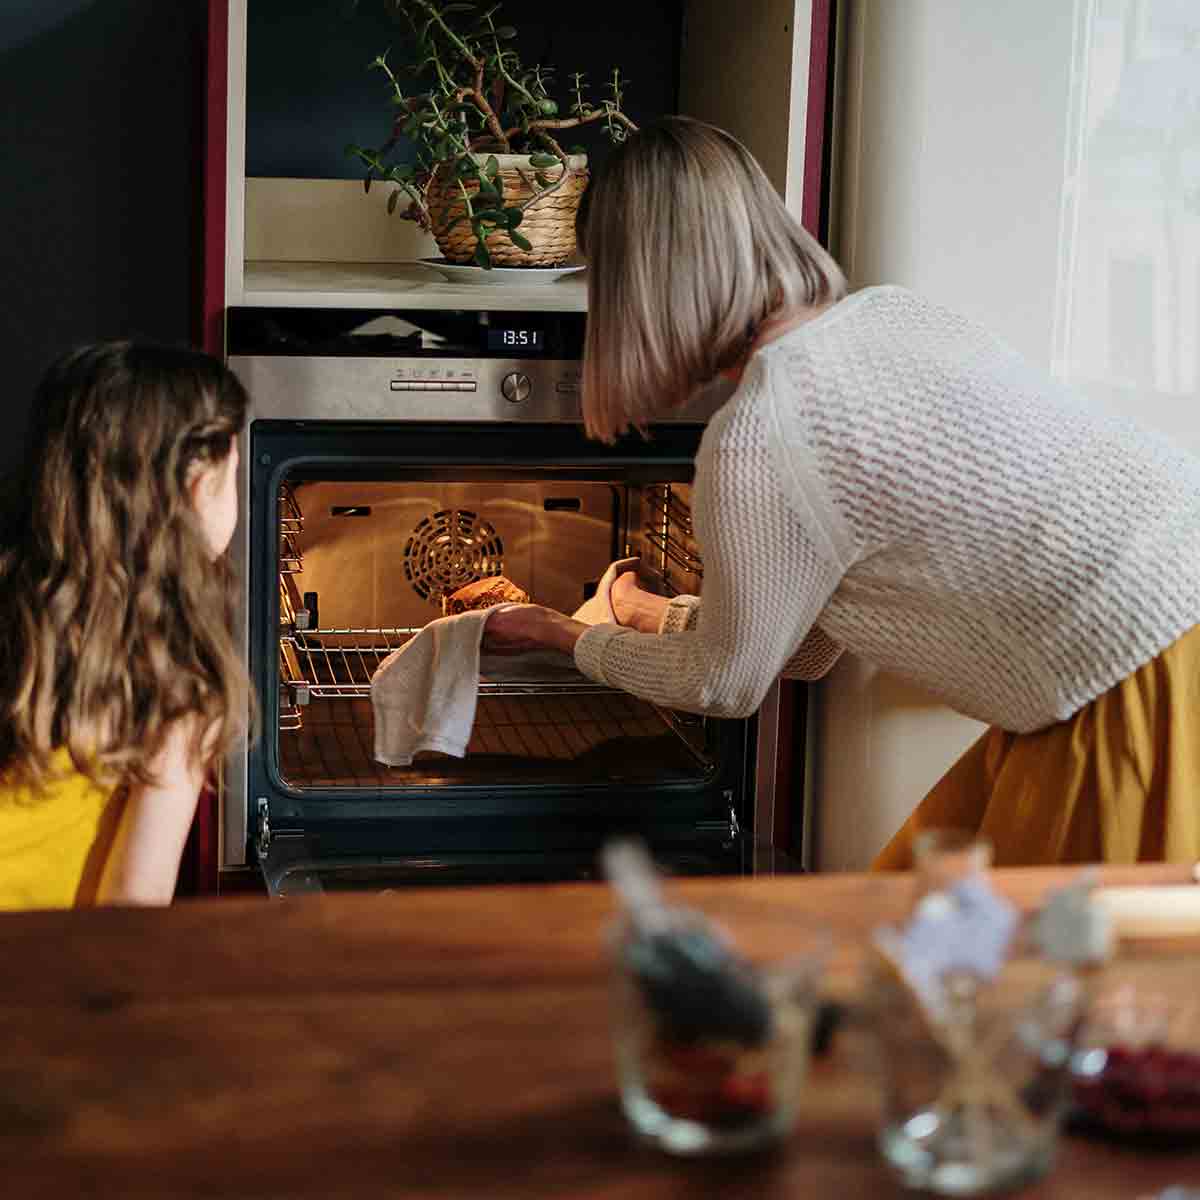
669,530
336,747
338,664
291,524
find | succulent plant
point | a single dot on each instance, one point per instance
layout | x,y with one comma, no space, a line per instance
470,98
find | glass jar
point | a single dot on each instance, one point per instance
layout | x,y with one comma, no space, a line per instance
974,1086
975,1106
692,1083
1136,1072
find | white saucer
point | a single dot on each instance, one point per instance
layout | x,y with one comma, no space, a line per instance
466,273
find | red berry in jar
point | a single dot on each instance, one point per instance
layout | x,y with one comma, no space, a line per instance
1143,1090
716,1081
747,1091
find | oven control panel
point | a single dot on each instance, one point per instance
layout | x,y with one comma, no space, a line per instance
502,387
296,387
470,365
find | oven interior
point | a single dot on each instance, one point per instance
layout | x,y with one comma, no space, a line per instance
365,563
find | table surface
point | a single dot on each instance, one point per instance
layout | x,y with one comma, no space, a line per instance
435,1042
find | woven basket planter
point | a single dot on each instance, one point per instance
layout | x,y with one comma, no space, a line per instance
549,224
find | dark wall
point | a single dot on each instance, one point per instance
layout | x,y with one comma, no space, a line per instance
101,158
309,89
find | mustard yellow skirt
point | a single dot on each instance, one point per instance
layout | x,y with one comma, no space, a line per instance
1118,782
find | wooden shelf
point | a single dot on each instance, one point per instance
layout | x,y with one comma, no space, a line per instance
398,285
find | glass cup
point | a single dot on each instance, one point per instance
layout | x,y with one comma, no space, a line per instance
728,1087
975,1110
973,1096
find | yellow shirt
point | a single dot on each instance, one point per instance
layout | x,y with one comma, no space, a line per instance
54,843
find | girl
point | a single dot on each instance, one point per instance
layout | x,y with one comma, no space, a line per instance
119,682
890,479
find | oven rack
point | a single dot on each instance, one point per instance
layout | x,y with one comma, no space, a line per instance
669,529
291,523
337,664
290,716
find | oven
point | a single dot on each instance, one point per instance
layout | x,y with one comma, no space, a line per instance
391,457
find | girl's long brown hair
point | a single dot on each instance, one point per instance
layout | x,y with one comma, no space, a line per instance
114,620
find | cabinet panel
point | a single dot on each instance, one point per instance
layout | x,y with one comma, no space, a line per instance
749,74
752,75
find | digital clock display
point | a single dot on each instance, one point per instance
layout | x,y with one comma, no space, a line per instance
516,339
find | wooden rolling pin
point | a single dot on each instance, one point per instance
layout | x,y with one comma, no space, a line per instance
1152,912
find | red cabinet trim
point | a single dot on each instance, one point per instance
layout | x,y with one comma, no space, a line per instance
813,207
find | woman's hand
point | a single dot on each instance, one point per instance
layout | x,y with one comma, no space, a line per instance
635,607
519,628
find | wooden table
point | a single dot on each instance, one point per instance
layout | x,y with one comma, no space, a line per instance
447,1043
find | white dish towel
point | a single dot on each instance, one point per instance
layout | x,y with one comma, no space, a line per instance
424,694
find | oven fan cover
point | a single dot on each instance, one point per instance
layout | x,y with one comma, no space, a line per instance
449,549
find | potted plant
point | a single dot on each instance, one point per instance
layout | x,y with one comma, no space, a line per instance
491,180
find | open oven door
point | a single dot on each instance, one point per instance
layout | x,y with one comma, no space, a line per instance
341,576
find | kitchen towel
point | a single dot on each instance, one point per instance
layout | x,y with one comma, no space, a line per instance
598,610
424,694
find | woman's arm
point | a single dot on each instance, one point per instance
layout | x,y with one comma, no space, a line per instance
765,583
766,580
813,659
144,861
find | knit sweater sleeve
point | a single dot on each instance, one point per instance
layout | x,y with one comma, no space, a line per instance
765,582
815,658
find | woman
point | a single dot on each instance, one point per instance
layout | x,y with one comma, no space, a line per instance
891,479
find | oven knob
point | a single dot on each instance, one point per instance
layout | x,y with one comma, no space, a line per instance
515,387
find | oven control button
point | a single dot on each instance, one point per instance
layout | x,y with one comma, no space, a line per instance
426,385
515,387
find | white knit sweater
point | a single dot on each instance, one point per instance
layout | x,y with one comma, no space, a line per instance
944,510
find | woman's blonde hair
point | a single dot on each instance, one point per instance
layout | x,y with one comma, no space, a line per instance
689,250
114,621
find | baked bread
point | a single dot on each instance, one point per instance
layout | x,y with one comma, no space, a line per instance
484,593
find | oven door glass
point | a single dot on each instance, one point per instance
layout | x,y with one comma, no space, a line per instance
359,536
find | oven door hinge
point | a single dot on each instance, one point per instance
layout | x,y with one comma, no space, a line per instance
730,830
735,830
262,836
